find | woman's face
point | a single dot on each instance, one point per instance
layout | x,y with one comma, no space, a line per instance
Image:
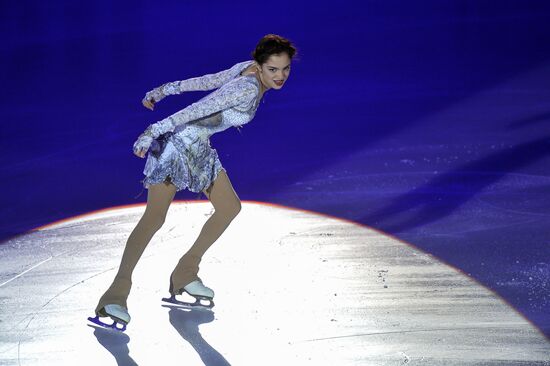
275,71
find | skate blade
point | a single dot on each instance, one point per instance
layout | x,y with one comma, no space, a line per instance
192,305
113,326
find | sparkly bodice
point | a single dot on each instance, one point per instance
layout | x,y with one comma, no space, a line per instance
233,104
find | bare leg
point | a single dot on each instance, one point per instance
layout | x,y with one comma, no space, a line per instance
227,205
159,198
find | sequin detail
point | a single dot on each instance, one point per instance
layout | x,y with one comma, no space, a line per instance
185,154
191,164
239,96
205,82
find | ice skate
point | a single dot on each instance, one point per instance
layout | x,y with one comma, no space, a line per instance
117,313
198,291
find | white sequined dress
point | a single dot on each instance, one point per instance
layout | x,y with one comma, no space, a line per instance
185,156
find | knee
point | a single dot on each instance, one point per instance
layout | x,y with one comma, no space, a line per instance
232,210
156,225
160,222
237,208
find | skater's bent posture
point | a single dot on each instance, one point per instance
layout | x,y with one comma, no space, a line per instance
180,157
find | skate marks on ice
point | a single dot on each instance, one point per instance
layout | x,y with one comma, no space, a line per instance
71,264
292,287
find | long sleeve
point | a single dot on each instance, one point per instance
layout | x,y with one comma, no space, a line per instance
205,82
234,93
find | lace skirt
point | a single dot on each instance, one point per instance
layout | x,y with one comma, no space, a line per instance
188,161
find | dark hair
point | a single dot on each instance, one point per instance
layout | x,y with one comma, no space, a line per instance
272,44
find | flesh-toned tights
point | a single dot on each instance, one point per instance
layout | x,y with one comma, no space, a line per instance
226,204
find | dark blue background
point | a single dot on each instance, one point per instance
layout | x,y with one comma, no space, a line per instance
426,120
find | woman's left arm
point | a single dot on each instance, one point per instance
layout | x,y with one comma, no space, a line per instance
205,82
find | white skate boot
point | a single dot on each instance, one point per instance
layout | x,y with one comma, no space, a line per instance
117,313
197,290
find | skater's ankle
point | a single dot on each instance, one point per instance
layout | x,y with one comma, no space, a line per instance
191,258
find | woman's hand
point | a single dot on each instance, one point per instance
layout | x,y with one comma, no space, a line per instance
142,144
148,103
152,97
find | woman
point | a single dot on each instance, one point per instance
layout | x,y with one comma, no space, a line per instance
181,157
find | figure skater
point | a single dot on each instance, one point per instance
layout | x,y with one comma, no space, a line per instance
180,157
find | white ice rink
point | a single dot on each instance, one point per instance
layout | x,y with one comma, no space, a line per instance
292,288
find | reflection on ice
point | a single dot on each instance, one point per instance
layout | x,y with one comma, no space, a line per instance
292,288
